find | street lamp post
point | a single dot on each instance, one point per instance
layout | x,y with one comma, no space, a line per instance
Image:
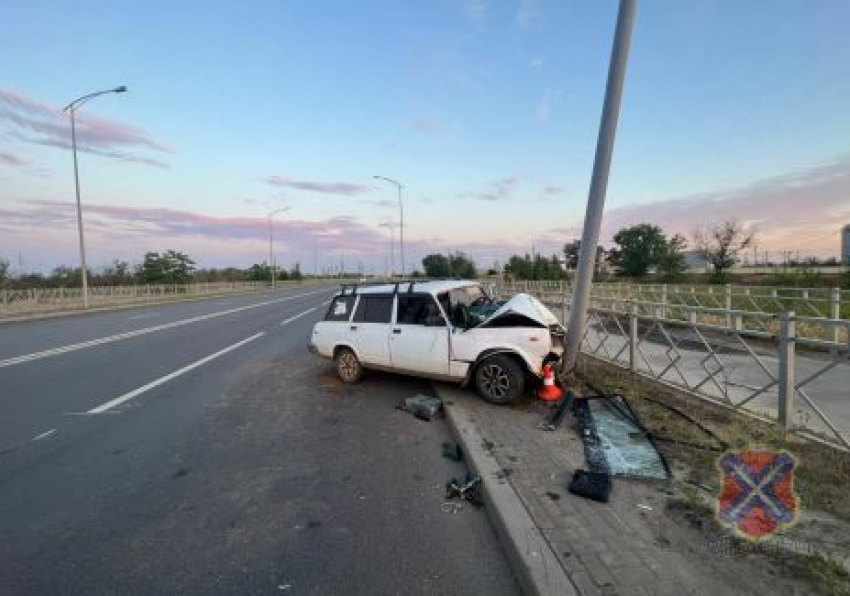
400,221
271,242
71,108
391,226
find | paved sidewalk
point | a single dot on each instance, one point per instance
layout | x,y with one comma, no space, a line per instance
634,544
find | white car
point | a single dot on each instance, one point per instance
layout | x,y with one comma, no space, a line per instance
447,330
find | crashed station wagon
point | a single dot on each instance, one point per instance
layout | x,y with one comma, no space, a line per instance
446,330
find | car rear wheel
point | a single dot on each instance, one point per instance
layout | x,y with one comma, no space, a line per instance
500,380
348,367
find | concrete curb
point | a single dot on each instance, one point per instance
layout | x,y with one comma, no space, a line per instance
534,563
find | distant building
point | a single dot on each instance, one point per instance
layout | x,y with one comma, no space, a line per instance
694,260
845,245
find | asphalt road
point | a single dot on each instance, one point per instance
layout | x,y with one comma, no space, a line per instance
198,448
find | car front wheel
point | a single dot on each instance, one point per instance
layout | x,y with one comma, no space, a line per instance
348,367
500,380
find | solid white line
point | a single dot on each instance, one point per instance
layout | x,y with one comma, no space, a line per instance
143,331
136,392
298,316
44,435
326,302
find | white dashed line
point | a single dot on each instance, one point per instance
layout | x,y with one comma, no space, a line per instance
143,331
136,392
298,316
44,435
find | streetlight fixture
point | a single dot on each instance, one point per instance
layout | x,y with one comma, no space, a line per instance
72,108
271,242
391,226
401,218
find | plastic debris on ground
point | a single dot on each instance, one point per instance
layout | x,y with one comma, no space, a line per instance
615,442
469,490
591,485
423,407
452,451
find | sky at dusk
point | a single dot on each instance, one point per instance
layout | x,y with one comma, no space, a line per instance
486,110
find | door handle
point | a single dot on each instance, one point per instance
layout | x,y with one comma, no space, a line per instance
397,331
354,327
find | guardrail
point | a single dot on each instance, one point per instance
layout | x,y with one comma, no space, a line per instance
789,368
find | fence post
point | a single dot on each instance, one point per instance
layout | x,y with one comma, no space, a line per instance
564,306
787,353
664,301
835,313
728,305
633,335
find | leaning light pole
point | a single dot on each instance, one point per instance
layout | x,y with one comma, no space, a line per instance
71,109
400,220
271,242
599,183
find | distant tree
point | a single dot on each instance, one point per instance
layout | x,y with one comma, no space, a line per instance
571,253
461,266
64,276
117,273
539,267
638,248
171,267
295,274
436,265
671,263
257,272
416,273
720,244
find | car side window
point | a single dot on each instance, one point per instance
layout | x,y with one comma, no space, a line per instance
340,308
419,310
374,308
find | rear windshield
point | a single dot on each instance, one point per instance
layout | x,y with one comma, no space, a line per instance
340,308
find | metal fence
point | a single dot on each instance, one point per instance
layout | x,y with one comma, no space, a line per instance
791,368
18,302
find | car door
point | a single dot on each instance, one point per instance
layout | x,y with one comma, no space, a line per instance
369,328
420,336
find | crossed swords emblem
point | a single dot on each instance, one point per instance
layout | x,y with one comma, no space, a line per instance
759,487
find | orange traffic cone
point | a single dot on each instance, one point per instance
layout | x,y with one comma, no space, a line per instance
549,391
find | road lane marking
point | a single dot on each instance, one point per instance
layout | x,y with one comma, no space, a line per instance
298,316
44,435
144,316
144,331
136,392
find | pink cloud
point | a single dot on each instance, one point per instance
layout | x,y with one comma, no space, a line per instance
332,188
498,190
10,159
43,124
802,211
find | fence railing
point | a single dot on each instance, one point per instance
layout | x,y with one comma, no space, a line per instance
791,368
734,307
16,302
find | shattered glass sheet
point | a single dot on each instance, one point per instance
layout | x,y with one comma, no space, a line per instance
614,443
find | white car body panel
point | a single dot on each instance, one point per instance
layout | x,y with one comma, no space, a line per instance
441,352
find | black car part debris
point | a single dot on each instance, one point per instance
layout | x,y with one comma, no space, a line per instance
469,490
558,414
423,407
591,485
452,451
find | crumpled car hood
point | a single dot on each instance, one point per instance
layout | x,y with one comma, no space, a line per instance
525,305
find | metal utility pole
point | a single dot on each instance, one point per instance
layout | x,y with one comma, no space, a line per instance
272,263
400,220
391,226
71,108
599,183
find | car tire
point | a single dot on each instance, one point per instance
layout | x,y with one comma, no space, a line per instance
500,380
348,367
